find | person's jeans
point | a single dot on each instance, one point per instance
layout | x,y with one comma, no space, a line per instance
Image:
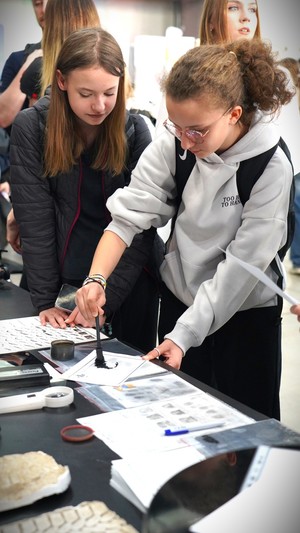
295,246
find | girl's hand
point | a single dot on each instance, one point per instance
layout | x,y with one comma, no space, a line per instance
77,319
90,300
5,189
295,309
171,353
56,317
12,232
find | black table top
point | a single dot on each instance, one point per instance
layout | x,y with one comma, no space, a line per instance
89,461
14,301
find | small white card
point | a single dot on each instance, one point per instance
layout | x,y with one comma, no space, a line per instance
120,368
261,276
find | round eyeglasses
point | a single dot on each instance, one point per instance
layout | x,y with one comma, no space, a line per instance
193,135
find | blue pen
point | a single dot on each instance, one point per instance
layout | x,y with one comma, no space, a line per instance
182,431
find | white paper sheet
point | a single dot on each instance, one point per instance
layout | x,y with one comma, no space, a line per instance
261,276
19,334
86,372
139,480
140,430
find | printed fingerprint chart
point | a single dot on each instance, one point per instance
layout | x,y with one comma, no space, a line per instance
20,334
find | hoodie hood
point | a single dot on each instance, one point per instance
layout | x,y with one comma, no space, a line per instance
262,135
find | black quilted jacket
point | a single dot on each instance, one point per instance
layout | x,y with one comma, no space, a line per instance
46,210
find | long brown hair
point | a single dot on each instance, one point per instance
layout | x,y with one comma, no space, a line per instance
61,18
216,11
64,144
242,73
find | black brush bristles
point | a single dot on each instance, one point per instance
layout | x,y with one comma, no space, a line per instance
99,361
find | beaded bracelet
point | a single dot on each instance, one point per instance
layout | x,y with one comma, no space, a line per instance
98,278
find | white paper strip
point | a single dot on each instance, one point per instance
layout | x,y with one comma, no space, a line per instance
261,276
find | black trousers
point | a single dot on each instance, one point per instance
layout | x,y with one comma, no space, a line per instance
242,359
135,323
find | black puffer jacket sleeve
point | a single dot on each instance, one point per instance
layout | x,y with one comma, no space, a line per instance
138,255
34,208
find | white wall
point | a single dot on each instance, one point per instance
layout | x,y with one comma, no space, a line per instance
280,21
18,27
126,19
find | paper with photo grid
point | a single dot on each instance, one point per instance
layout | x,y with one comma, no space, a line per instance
19,334
130,432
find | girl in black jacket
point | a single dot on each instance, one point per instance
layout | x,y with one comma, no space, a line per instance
69,153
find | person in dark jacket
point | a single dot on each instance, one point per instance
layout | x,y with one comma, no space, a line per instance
12,99
69,153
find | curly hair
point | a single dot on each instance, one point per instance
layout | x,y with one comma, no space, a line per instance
243,73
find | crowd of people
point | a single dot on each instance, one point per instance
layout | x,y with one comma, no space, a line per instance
91,185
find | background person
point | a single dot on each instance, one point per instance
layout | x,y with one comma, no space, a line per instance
293,66
72,151
61,17
4,186
228,325
222,21
12,99
225,21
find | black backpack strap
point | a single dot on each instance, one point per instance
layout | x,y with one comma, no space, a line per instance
130,136
250,171
286,150
247,175
129,129
183,169
291,214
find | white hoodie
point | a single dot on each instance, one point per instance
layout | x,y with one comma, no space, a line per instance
210,216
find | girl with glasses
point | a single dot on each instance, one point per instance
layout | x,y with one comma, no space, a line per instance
217,322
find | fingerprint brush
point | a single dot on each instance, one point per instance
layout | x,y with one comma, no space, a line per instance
99,361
